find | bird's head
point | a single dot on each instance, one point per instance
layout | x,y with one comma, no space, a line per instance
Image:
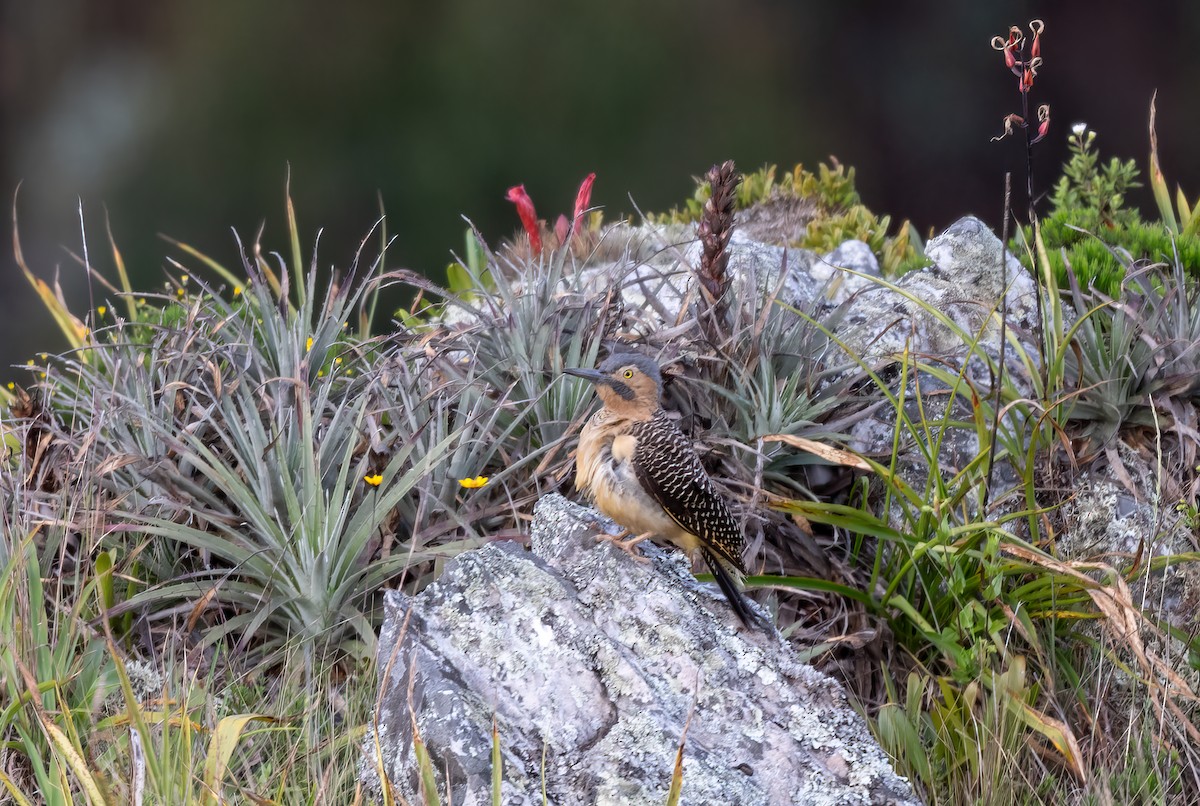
628,383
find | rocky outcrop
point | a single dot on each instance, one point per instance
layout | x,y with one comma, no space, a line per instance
596,668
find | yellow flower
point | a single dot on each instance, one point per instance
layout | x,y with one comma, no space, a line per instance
29,363
475,483
308,345
183,279
320,373
374,481
102,310
237,290
179,293
11,386
338,360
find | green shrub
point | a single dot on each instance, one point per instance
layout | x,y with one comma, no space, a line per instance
1090,221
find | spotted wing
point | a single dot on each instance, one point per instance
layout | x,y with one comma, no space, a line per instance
671,472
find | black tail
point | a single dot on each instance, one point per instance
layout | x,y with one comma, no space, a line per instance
737,600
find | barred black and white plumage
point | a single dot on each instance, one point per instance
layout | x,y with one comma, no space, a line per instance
670,471
641,471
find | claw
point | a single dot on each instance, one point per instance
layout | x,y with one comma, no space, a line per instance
625,543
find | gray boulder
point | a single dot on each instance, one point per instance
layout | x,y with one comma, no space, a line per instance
931,310
594,667
947,315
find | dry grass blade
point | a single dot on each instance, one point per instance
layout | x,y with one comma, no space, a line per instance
829,454
13,792
138,754
92,784
1058,733
1125,621
1158,182
220,749
75,330
429,792
497,766
676,790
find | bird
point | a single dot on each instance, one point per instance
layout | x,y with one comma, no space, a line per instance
641,471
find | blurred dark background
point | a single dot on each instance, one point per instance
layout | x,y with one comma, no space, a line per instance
183,118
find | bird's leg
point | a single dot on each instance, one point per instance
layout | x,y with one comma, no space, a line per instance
626,541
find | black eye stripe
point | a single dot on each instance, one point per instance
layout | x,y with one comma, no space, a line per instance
622,390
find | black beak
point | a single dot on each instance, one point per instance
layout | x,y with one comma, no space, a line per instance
595,376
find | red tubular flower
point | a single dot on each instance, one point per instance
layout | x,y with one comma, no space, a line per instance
582,199
998,43
529,220
1036,26
1043,130
562,229
1044,126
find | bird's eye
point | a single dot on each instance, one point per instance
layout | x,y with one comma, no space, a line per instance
628,373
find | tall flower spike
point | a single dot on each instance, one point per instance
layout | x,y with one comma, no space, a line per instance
529,220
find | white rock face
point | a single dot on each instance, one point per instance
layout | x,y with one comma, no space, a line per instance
592,664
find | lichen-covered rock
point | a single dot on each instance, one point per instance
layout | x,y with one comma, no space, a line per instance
947,315
846,270
655,274
594,666
964,286
1113,514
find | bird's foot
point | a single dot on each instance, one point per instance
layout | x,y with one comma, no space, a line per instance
625,542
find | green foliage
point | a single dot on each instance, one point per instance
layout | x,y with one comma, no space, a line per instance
1096,190
897,253
1136,361
1184,221
461,281
792,388
254,457
89,725
549,320
1100,234
243,461
957,742
831,187
996,680
52,669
